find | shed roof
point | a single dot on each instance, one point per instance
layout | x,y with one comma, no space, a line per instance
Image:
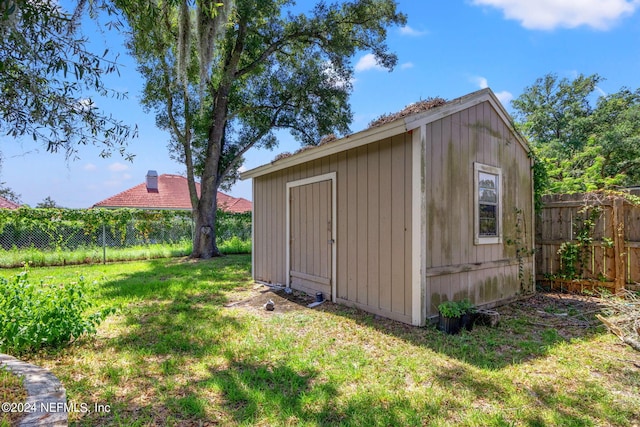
172,193
8,204
388,126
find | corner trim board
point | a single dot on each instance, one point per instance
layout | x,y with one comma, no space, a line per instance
417,198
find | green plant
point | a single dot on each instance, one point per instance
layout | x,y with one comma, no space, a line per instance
450,309
569,256
466,306
33,317
522,250
16,258
235,245
11,390
574,254
179,340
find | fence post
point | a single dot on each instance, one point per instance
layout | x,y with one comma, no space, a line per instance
104,243
618,243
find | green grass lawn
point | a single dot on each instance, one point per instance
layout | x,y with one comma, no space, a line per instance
11,391
190,345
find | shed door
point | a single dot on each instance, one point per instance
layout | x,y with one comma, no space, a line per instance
311,239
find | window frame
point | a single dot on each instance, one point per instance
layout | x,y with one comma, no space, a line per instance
491,170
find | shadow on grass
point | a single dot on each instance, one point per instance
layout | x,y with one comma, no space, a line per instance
181,279
259,392
201,363
528,330
175,307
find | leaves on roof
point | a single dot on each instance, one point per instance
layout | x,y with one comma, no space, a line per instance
415,108
281,156
325,140
328,138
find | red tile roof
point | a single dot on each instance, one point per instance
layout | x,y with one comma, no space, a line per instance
8,204
172,193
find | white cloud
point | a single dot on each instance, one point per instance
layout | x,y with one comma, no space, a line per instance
368,62
551,14
408,31
406,65
480,81
118,167
90,167
505,97
242,169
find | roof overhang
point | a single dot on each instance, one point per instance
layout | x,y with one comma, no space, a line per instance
388,130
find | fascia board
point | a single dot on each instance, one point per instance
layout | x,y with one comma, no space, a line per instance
356,140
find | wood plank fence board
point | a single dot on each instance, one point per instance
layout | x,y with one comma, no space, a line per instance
613,258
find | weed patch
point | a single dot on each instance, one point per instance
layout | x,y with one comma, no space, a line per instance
192,344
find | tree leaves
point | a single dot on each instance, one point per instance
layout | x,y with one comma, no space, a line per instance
583,147
46,70
268,69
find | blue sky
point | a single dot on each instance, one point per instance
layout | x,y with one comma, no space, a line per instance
449,48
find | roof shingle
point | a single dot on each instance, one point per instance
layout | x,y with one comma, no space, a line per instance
172,193
8,204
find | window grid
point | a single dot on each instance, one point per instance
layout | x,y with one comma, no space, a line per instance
488,180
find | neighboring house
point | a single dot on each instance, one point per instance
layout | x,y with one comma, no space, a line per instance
425,207
8,204
167,192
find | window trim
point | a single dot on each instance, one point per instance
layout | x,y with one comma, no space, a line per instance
478,239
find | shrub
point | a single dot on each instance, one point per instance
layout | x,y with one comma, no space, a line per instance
450,309
466,306
33,317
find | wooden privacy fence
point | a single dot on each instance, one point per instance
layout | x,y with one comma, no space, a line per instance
587,241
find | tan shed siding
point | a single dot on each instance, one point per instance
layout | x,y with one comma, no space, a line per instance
362,229
455,267
269,252
342,226
373,224
384,225
373,228
377,238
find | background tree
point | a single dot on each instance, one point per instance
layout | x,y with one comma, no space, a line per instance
48,202
581,147
223,77
49,78
9,194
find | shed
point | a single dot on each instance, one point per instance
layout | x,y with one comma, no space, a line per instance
431,206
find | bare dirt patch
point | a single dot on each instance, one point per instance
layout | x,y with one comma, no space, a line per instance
282,302
569,314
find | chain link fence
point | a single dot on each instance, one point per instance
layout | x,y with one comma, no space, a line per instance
79,231
73,235
79,242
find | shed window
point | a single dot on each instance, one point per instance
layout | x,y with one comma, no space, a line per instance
488,224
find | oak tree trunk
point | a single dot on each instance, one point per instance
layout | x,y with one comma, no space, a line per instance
204,238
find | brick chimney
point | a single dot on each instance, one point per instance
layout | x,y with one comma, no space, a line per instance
152,181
